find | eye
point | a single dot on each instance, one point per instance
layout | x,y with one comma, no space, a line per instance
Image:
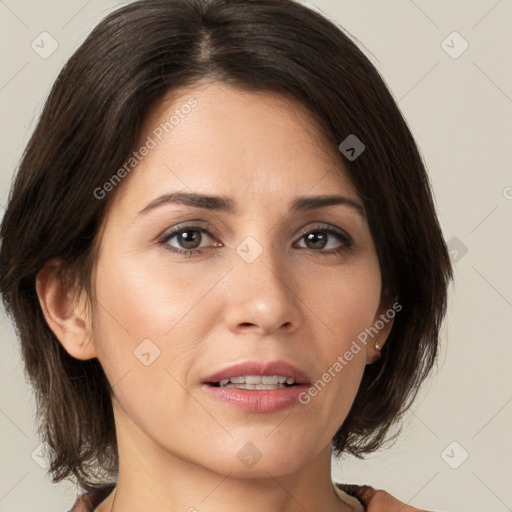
188,238
317,239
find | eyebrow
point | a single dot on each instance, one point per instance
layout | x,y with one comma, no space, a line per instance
227,205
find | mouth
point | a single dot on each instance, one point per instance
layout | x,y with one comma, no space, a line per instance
258,386
258,382
258,375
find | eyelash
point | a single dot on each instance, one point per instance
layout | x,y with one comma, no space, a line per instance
341,236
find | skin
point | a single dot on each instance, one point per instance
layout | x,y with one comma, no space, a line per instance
177,445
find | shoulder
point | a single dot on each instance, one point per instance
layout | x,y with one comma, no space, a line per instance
375,500
92,497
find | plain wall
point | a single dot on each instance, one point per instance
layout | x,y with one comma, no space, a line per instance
459,108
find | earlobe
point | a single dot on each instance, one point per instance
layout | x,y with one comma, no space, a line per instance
381,328
64,315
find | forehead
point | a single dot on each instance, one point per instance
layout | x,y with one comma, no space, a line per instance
214,138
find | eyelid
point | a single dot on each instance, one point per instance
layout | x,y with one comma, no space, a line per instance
191,224
323,226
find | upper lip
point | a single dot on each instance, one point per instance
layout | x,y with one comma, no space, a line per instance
259,368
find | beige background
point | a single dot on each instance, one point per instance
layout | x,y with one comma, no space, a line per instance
460,110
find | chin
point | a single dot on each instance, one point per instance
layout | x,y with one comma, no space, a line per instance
257,457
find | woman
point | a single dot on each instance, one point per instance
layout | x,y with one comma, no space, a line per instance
223,260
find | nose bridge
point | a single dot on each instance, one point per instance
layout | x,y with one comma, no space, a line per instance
263,293
262,267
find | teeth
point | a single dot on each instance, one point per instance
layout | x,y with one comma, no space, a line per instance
254,386
257,382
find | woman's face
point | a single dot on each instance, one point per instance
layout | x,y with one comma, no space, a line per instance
263,283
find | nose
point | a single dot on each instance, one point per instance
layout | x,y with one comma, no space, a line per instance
262,296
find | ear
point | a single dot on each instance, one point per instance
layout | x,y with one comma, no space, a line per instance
380,329
66,316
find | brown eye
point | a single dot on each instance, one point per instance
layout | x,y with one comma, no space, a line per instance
320,238
316,240
187,241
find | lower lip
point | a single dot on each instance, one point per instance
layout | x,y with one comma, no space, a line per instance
258,400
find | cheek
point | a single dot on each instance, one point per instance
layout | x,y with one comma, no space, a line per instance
343,305
347,301
148,334
148,299
151,311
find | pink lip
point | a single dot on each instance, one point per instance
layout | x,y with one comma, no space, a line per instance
261,400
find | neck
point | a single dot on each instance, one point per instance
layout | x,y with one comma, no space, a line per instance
152,478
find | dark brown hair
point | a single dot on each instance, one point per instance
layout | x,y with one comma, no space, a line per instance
89,126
